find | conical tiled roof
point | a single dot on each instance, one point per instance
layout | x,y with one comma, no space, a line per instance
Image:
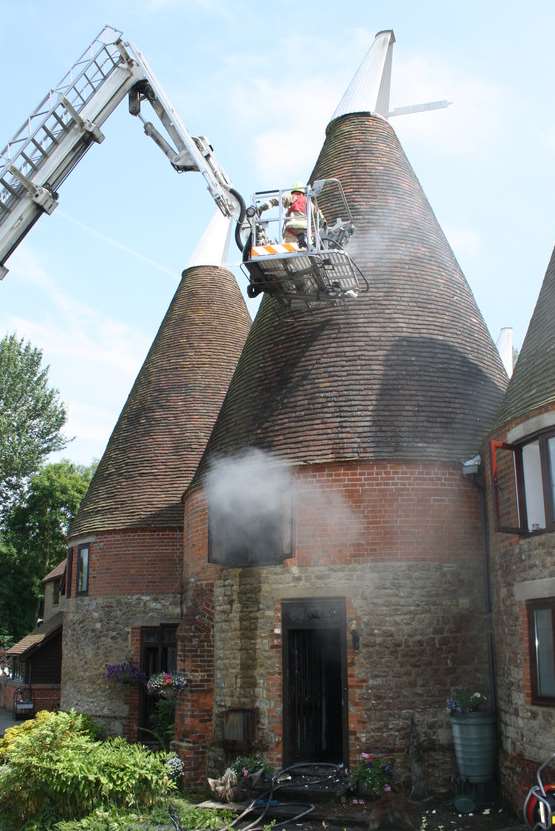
163,428
533,382
407,370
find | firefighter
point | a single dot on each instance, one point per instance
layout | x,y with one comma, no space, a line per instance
295,203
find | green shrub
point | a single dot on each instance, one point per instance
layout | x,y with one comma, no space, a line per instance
72,722
55,769
162,723
250,764
118,820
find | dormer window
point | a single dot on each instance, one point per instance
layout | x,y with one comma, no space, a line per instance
524,483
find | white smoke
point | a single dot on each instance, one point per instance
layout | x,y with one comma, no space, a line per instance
260,512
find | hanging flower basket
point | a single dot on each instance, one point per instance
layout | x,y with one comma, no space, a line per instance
127,674
166,684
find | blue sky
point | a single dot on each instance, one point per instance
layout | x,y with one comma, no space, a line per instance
91,283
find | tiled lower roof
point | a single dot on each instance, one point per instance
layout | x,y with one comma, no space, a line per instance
37,636
57,571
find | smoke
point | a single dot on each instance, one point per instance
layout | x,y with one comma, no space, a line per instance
260,513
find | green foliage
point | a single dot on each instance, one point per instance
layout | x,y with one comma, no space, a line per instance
465,701
111,819
372,776
251,764
162,723
55,769
6,639
34,540
31,416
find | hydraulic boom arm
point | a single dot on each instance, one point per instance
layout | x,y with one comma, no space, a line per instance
67,122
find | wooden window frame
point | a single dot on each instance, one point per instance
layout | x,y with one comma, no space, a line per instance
542,437
69,572
81,592
531,606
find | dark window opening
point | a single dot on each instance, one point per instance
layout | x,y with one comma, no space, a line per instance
524,483
83,569
69,573
541,622
158,654
236,539
56,592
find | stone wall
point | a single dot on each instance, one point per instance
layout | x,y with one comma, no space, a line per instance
134,581
523,568
414,587
97,631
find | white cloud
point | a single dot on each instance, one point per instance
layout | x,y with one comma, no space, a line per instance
292,108
214,7
471,125
91,356
296,114
465,242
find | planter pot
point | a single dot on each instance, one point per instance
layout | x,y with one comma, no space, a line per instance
474,736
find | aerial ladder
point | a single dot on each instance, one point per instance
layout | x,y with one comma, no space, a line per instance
68,121
316,268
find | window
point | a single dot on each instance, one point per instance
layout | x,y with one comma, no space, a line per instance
541,622
524,482
55,592
237,538
83,569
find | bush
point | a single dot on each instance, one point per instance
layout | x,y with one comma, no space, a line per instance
250,764
56,770
118,820
372,776
72,722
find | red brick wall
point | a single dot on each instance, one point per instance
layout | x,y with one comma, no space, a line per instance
141,561
410,514
526,730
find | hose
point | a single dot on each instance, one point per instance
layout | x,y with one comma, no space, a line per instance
334,771
241,218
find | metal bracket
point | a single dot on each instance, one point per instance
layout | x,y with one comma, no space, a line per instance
42,196
87,126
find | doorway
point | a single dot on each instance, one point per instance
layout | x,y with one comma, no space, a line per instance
158,654
314,680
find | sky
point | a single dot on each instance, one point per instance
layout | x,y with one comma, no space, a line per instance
90,284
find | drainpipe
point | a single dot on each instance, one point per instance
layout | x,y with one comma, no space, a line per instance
474,469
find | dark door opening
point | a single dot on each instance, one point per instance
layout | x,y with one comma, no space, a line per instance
158,654
314,675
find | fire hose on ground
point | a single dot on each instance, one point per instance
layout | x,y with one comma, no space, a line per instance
318,773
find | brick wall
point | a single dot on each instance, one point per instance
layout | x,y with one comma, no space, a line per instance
414,588
526,730
131,562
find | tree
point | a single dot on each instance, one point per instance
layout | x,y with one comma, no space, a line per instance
31,416
35,540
